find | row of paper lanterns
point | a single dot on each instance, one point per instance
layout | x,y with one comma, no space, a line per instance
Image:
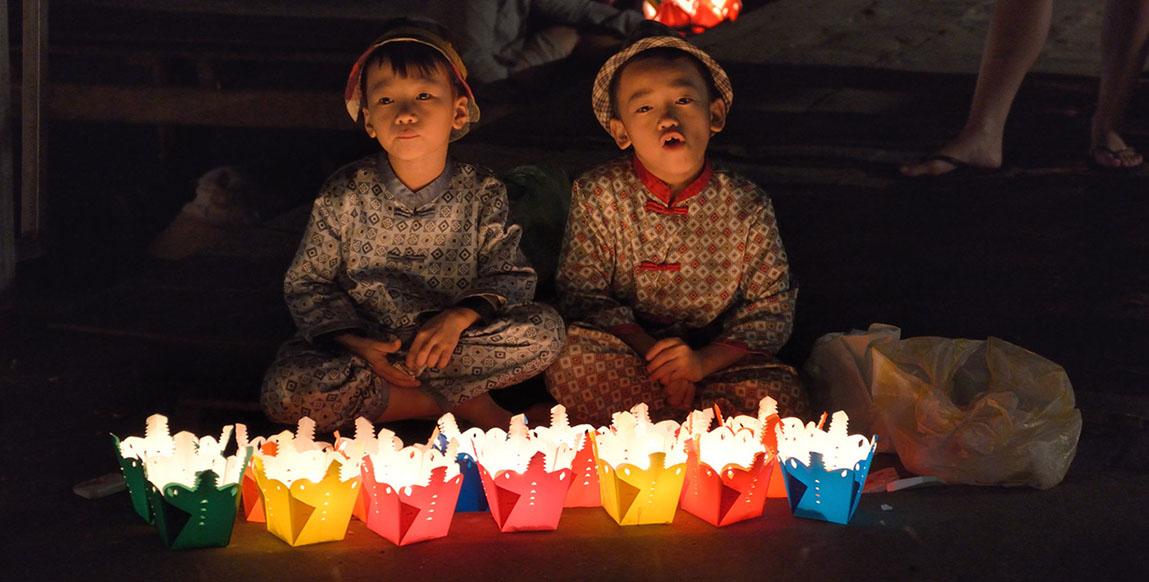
639,471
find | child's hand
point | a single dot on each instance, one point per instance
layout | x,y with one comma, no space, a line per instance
376,352
680,394
436,340
671,360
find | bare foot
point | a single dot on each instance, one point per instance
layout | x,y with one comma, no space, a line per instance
483,412
962,152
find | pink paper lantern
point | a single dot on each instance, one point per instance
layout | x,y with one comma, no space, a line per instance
528,501
584,489
413,513
525,477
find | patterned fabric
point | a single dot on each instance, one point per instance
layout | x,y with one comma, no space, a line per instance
707,266
334,387
714,260
382,260
600,93
368,261
597,374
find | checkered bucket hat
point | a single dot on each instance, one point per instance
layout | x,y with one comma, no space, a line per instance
600,94
352,95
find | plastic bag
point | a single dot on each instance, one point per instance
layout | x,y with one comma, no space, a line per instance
839,374
976,412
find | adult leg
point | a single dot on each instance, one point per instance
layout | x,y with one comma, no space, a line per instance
1017,33
1123,51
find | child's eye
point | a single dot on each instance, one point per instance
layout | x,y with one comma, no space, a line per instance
423,96
642,109
685,100
384,101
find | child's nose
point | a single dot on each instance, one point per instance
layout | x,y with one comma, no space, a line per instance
406,114
667,120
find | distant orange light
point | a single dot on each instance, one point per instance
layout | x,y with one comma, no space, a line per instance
691,16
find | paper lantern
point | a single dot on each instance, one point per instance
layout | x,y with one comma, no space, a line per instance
584,489
410,491
130,456
471,494
308,489
190,487
250,502
525,478
691,15
729,468
824,471
641,467
354,449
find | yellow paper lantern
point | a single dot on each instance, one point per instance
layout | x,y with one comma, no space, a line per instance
308,489
641,467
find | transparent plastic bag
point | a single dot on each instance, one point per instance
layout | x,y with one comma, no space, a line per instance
976,412
838,370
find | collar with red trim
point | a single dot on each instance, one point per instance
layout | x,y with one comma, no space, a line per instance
661,190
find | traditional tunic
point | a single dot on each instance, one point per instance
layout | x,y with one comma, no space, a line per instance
706,265
380,259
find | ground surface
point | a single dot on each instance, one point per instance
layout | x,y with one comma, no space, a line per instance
830,97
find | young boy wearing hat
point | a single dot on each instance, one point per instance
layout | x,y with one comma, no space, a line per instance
409,289
672,271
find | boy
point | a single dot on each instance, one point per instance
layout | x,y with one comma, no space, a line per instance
673,272
409,290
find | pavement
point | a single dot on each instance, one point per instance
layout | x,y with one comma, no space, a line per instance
830,96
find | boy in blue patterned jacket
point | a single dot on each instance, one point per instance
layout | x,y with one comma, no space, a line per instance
409,289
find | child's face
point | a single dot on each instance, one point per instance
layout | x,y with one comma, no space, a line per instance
665,112
412,117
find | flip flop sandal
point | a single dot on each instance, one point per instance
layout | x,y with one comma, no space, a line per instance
1091,161
960,169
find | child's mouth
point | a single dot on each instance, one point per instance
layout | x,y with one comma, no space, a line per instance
672,141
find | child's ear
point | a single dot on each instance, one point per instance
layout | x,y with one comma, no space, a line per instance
462,116
717,115
370,129
618,131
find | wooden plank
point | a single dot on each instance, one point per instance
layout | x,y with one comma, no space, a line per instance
7,179
197,106
35,43
336,9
